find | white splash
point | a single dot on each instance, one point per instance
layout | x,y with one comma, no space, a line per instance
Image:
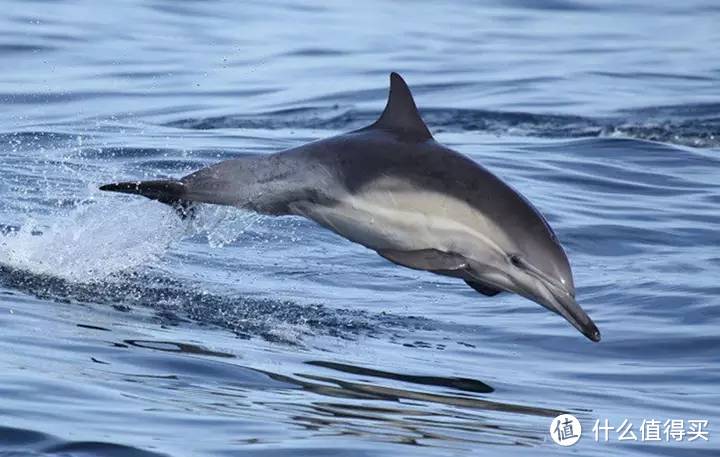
108,235
94,240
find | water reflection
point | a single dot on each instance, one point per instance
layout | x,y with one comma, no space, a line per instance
468,385
380,406
171,346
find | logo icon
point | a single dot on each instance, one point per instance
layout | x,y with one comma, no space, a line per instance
565,430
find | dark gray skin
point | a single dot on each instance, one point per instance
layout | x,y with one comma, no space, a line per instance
392,188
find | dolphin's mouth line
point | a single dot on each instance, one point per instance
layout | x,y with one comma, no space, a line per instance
545,279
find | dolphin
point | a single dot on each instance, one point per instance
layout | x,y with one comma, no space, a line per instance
393,189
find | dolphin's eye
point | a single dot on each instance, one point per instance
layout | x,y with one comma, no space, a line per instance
516,260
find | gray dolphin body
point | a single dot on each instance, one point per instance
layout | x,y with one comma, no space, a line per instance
392,188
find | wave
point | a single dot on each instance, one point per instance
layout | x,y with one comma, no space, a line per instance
687,125
29,442
174,301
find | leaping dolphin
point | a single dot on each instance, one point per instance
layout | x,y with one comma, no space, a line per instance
392,188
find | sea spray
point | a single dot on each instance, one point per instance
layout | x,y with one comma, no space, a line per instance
92,241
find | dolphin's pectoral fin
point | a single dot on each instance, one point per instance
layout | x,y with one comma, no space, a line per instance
425,259
438,262
483,288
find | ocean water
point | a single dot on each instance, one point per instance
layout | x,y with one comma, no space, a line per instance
125,331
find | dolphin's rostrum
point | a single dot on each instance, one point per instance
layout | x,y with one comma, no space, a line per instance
392,188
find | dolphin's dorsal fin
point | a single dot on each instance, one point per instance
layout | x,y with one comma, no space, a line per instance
400,114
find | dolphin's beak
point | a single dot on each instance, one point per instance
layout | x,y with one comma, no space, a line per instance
565,305
558,298
534,285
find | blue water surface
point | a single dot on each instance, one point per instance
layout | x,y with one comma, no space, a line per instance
128,332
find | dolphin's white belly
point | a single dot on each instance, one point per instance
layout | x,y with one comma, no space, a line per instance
389,215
